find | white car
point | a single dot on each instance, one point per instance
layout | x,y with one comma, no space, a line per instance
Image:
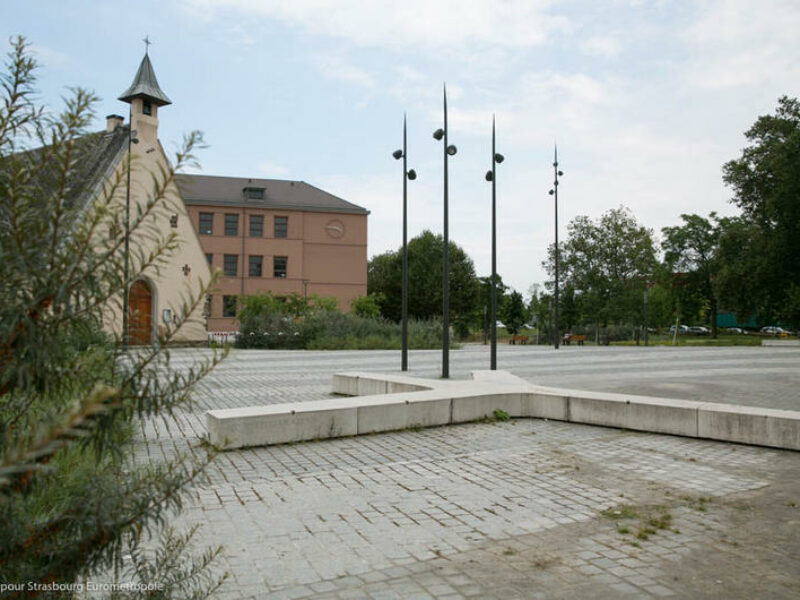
697,330
774,331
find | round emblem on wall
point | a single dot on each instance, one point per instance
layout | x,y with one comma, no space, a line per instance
335,228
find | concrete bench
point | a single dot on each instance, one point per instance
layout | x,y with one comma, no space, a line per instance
395,402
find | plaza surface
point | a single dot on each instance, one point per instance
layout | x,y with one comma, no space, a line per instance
519,509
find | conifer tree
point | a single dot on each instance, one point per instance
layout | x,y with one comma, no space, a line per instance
74,500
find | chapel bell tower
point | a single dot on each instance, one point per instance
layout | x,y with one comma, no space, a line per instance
145,97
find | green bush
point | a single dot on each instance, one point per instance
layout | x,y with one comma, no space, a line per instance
329,330
367,306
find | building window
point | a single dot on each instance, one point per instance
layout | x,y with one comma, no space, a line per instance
279,266
256,226
147,109
230,266
206,225
281,227
254,266
210,259
229,306
231,224
254,193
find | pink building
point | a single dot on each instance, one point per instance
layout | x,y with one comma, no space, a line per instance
277,236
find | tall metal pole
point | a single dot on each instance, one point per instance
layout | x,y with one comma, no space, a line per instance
404,351
493,352
439,135
645,314
127,250
407,174
445,261
555,195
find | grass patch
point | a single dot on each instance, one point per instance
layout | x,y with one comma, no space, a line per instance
500,415
650,521
626,511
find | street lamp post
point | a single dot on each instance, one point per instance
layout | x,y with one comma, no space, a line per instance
492,176
554,193
132,139
646,286
412,175
448,150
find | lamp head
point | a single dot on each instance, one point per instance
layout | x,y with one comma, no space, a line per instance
398,154
489,176
451,150
438,134
498,158
412,174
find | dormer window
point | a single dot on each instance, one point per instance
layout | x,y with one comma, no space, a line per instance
254,193
147,108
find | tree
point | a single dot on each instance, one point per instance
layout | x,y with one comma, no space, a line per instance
483,306
691,250
514,314
384,276
367,306
760,270
73,497
606,264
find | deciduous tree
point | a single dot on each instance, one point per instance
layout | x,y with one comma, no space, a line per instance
606,263
691,251
760,270
384,276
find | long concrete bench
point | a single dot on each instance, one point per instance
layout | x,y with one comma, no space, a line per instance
393,402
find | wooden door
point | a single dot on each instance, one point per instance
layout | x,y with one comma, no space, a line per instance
140,313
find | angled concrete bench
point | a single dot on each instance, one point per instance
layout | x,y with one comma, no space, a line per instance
393,402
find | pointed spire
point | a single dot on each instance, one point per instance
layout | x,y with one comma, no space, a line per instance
145,85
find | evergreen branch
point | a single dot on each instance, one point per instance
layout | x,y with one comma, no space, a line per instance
17,469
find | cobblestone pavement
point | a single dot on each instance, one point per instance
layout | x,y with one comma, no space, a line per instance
520,509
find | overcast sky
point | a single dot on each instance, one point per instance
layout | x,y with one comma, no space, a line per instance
646,99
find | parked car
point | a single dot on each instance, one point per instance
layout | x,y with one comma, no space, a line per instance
682,329
777,331
697,330
737,330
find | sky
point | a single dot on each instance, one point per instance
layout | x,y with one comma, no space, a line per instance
646,99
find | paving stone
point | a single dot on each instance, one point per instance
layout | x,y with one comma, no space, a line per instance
435,512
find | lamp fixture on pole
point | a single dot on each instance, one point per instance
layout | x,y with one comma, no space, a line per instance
412,175
492,176
448,150
554,193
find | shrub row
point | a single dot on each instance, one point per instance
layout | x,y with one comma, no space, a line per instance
332,330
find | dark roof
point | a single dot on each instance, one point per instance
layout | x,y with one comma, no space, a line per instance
100,150
93,157
278,193
145,85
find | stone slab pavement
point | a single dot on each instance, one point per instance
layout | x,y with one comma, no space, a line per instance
519,509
